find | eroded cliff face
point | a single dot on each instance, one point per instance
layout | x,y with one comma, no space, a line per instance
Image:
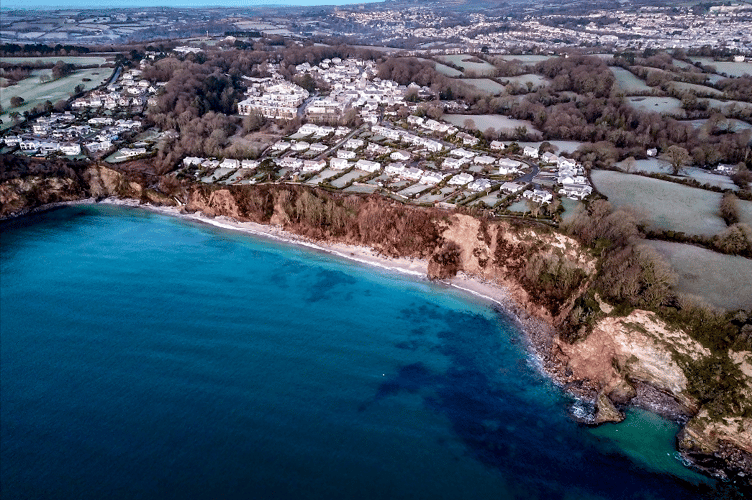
19,195
633,359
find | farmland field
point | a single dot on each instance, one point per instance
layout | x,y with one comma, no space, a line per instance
76,60
700,90
732,69
446,70
731,125
485,85
477,67
650,166
664,205
707,177
530,59
726,105
482,122
724,281
663,105
628,82
34,92
566,147
745,212
536,81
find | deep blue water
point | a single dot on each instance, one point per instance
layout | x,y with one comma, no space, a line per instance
144,356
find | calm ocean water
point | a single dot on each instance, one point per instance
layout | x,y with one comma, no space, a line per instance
144,356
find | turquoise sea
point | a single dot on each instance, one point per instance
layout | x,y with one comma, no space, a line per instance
144,356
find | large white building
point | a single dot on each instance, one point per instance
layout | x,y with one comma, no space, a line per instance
277,99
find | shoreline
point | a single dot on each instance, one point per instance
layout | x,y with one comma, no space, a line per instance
536,333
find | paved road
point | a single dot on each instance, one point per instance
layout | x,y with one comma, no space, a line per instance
114,76
333,149
302,107
529,176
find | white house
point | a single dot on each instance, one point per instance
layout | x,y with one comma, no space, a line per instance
413,173
563,163
249,164
462,153
281,146
317,147
431,145
314,165
95,147
308,129
507,166
725,169
530,152
512,187
484,160
452,163
290,162
353,144
429,177
497,145
395,169
300,146
461,179
550,158
414,120
400,156
346,154
339,163
576,191
652,152
70,149
132,152
479,185
368,166
230,163
539,196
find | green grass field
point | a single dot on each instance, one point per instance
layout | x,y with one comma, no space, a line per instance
446,70
536,81
77,60
628,82
662,105
724,281
35,92
483,122
480,68
664,205
485,85
700,90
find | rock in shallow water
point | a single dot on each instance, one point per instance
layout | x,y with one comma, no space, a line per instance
606,411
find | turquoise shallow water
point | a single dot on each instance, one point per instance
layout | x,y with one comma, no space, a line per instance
148,357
